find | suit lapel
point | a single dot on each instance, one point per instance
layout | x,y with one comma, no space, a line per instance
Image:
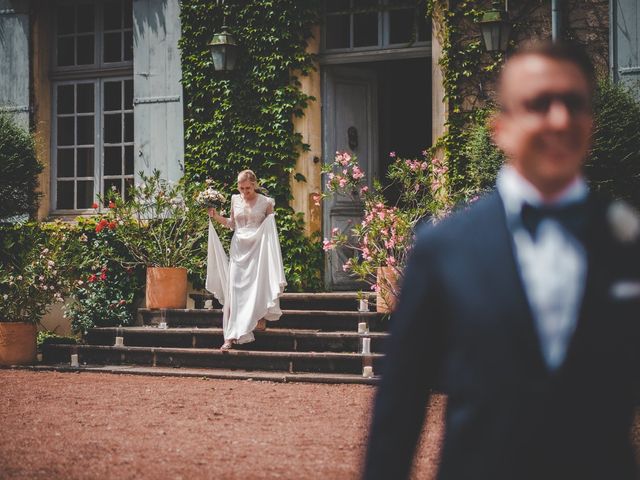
595,288
508,282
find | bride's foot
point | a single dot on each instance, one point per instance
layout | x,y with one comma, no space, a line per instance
261,325
227,345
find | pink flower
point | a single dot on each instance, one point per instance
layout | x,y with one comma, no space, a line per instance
391,261
364,190
316,199
327,245
392,154
342,182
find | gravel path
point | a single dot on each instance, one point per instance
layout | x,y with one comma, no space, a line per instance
96,426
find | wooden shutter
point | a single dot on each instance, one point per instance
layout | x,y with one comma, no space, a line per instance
625,42
157,91
14,59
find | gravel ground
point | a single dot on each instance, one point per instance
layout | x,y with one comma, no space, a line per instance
97,426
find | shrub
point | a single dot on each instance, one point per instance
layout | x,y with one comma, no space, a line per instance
30,276
613,165
483,158
19,170
103,291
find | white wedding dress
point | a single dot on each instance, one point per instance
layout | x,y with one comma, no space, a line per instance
250,282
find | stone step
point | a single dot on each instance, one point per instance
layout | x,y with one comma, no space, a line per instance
325,320
291,362
247,375
272,339
342,301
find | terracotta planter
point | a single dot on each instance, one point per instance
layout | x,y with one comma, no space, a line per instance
387,279
17,343
166,287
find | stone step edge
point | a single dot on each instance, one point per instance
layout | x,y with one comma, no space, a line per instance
305,295
219,374
280,332
304,313
217,352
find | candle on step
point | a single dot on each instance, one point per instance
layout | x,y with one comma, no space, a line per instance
363,327
367,372
119,342
162,325
366,346
74,360
363,306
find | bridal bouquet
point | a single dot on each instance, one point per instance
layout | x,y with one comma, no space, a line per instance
210,197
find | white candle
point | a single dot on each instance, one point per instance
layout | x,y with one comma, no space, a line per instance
162,325
74,360
367,372
362,327
119,341
363,306
366,346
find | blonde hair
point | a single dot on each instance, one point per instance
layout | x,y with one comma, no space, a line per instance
249,176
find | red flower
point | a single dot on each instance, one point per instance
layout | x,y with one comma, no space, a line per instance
94,205
122,302
101,224
111,204
112,225
91,279
103,276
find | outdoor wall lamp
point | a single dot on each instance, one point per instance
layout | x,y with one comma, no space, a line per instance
495,28
224,49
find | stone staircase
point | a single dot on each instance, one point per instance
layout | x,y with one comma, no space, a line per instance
315,340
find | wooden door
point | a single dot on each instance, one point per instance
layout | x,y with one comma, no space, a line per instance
349,124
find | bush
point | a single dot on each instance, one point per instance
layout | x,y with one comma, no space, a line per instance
483,158
613,165
19,170
102,290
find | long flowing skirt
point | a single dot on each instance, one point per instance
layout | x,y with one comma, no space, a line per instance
250,282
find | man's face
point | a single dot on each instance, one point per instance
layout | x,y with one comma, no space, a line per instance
545,125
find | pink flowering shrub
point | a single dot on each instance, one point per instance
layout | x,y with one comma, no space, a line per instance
385,235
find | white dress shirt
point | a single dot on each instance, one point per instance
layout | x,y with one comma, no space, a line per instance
553,267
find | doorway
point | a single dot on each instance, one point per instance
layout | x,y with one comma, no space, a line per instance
387,106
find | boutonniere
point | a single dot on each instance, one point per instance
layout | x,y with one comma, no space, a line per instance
624,221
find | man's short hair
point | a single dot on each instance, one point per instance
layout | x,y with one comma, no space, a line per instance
564,51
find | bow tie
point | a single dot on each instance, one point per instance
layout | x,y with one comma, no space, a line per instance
573,217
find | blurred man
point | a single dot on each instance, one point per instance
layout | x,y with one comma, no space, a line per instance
524,309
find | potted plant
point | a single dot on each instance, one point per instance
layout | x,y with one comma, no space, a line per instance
163,228
30,283
382,241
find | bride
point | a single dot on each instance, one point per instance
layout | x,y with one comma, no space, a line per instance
249,284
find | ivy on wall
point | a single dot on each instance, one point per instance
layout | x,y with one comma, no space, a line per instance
470,72
243,119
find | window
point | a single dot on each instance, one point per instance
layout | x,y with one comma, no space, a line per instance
373,24
92,83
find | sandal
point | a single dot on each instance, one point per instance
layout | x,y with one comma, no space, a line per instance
227,345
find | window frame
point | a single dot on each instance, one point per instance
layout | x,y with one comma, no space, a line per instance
96,73
384,28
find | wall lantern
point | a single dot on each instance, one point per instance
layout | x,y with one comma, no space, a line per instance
495,28
224,51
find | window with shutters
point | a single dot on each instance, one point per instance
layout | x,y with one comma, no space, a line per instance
92,79
356,25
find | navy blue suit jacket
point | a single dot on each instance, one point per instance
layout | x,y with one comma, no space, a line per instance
463,325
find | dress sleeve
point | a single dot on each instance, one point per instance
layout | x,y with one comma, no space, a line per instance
271,203
231,221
